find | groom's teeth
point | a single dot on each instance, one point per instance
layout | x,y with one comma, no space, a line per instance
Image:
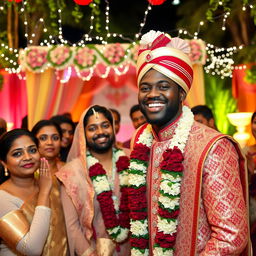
153,105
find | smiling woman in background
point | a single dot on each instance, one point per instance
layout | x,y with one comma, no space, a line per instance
48,134
25,214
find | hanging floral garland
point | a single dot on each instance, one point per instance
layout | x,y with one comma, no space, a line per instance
60,57
117,227
169,193
36,59
84,58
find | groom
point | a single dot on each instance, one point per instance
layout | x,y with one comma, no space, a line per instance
187,182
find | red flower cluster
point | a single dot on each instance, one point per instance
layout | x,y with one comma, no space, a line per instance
166,214
137,199
107,209
141,243
172,160
165,240
140,152
96,169
122,163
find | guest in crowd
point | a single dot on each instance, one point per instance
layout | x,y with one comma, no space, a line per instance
250,153
24,122
137,118
3,126
49,136
3,175
67,128
28,214
203,114
97,217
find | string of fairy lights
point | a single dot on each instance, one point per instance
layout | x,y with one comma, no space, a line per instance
219,60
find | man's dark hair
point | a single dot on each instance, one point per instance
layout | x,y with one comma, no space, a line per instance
101,110
203,110
134,109
60,119
117,113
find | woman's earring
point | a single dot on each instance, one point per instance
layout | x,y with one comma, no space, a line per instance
5,171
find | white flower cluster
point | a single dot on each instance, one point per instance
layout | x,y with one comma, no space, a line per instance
121,236
139,227
119,153
137,180
167,176
169,203
101,184
170,188
136,252
124,178
158,251
148,38
166,226
91,160
146,137
182,131
140,167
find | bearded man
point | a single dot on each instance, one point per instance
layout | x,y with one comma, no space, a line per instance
94,188
188,191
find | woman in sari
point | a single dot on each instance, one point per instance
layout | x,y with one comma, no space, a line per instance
48,134
25,214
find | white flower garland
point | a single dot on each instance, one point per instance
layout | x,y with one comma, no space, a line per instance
169,184
102,184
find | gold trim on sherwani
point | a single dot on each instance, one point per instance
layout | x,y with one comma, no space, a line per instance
13,227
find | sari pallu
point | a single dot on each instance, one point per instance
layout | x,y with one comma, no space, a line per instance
15,225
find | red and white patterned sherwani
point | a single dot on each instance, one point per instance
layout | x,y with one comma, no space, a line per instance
213,213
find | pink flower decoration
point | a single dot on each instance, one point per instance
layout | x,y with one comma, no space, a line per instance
36,58
114,53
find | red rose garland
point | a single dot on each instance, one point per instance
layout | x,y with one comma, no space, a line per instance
116,226
171,169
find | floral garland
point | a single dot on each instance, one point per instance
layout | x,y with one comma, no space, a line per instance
85,58
169,193
60,56
117,227
36,59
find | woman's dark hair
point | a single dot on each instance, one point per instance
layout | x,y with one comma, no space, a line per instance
7,139
43,123
101,110
253,116
61,119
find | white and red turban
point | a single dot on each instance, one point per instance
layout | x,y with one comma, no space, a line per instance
168,56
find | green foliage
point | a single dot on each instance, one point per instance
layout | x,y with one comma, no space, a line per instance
227,6
219,99
95,6
251,75
5,52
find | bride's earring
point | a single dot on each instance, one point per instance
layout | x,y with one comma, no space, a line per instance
5,171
